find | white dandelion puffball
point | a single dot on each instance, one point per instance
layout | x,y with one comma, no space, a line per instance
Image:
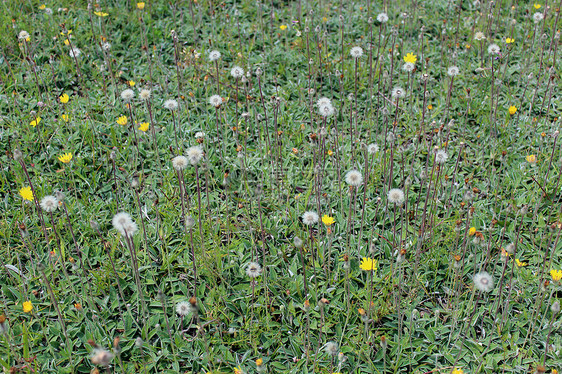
253,270
130,229
483,282
493,49
179,162
537,17
74,52
121,221
106,46
398,92
23,35
171,104
396,196
309,218
479,35
408,67
237,72
453,71
199,135
214,55
382,18
354,178
49,204
441,156
183,308
356,52
144,94
326,110
372,148
128,94
323,101
215,101
194,154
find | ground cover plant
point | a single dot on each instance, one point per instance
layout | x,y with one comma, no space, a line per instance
284,187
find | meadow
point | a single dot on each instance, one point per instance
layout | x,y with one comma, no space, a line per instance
202,186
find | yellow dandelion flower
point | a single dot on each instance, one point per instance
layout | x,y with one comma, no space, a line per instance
238,370
65,158
410,57
66,42
143,127
519,263
457,371
140,5
131,83
537,6
368,264
27,306
65,117
26,193
35,122
532,159
327,220
122,120
101,14
283,27
42,6
509,40
472,231
556,274
64,98
259,362
512,110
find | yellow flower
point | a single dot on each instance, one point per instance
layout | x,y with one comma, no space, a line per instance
457,371
472,231
66,42
368,264
512,110
556,274
64,98
537,6
42,6
531,159
65,117
519,263
143,127
140,5
122,120
65,158
430,107
238,370
101,14
283,27
27,306
259,362
330,152
327,220
26,193
509,40
131,83
35,122
410,57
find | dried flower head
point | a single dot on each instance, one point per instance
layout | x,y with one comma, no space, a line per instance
356,52
310,218
483,281
354,178
194,154
215,101
179,162
398,93
453,71
396,196
49,204
101,357
441,156
171,104
332,348
214,55
253,270
128,94
493,49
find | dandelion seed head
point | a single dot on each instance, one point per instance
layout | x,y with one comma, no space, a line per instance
237,72
298,242
101,357
121,221
323,101
171,104
23,35
49,204
253,270
453,71
356,52
396,196
408,67
555,307
106,46
332,348
74,52
130,229
127,95
537,17
214,55
382,17
483,281
194,154
493,49
479,35
183,308
372,148
354,178
398,93
326,110
144,94
310,218
215,101
441,156
179,162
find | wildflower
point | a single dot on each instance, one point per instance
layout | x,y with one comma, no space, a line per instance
354,178
24,35
65,157
260,367
326,110
215,101
179,162
144,94
74,52
483,282
128,94
382,17
283,27
106,46
199,135
140,5
183,308
42,6
101,357
396,196
35,122
472,231
298,242
49,204
26,193
509,40
214,56
143,127
479,35
537,17
122,222
65,117
253,270
356,52
238,370
171,104
556,274
453,71
309,217
332,348
131,83
532,159
194,154
555,307
457,371
519,263
441,156
64,98
411,58
323,101
512,110
368,264
398,93
27,306
537,6
493,49
327,220
372,148
101,14
237,72
122,120
408,67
